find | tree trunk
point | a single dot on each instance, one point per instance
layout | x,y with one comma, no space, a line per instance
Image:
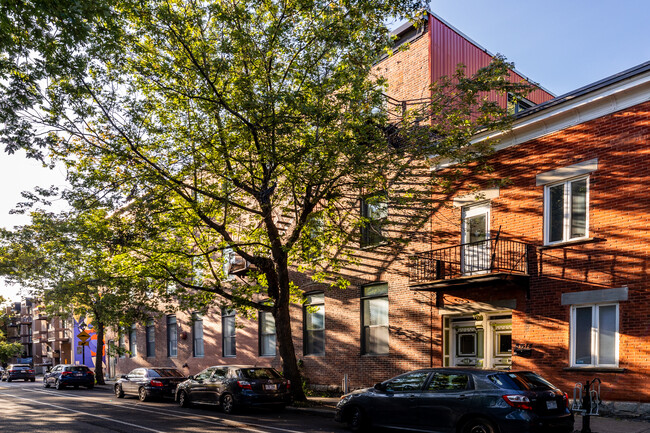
99,356
287,351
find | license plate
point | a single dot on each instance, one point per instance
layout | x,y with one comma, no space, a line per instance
270,387
78,374
551,404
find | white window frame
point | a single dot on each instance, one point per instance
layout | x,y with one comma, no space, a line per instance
595,334
567,210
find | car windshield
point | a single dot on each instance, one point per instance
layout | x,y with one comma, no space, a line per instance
259,373
165,372
76,368
525,381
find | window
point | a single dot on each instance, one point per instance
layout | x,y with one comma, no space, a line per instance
121,343
566,211
374,311
314,324
197,335
466,344
228,332
517,104
205,374
374,211
133,344
448,382
151,338
408,382
594,335
267,334
172,337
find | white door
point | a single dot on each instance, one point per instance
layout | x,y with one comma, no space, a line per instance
475,253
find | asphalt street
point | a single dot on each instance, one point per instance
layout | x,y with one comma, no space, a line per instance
28,407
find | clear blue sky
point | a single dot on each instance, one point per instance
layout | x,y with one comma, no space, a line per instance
562,45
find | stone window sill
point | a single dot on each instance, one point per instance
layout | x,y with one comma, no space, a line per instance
597,369
571,243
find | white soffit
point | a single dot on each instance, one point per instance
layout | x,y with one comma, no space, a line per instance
476,197
619,96
568,172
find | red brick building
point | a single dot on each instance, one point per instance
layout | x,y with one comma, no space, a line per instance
548,271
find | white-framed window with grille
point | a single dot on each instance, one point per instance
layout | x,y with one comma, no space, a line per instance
133,342
566,210
197,335
374,319
267,333
229,343
594,335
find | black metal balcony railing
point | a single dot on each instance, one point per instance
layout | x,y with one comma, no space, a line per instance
476,258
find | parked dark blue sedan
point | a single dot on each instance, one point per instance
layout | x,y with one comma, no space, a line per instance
63,375
459,400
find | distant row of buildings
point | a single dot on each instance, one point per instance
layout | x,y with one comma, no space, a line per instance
46,341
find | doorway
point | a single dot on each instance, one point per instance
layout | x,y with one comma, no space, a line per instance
475,234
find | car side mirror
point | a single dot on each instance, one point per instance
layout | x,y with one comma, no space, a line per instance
380,386
124,376
190,377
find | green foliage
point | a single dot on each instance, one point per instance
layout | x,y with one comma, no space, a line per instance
198,133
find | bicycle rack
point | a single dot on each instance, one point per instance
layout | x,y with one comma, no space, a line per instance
586,401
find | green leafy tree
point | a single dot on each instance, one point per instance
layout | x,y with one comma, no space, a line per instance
237,130
7,350
68,261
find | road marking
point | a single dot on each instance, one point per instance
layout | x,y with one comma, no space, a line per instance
105,418
251,427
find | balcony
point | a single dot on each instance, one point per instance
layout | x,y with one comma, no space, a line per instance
25,319
58,335
492,261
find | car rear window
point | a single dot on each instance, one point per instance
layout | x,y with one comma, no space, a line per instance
76,368
259,373
161,372
524,381
20,367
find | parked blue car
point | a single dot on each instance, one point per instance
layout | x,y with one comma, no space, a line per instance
459,400
63,375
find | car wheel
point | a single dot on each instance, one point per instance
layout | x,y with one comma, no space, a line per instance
32,380
58,384
357,420
76,386
118,391
183,399
478,425
45,384
90,386
142,394
8,379
227,403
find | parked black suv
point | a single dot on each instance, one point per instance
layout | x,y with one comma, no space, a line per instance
460,400
19,371
234,386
